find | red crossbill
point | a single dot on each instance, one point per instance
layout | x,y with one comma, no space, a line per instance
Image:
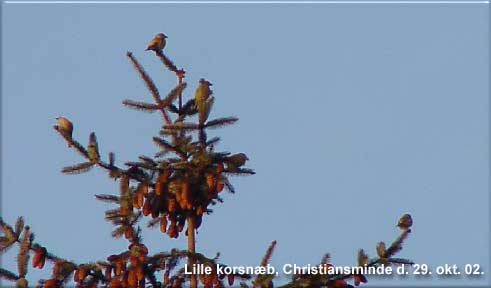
157,43
405,222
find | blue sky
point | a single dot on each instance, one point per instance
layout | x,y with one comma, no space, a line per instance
351,114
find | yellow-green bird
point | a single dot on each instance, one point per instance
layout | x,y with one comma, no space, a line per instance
157,43
235,161
93,149
202,93
65,126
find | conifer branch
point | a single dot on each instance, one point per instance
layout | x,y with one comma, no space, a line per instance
167,62
239,172
396,246
265,280
173,94
141,106
23,256
19,226
107,198
268,254
78,168
141,165
182,126
169,147
220,122
146,79
188,109
150,85
229,186
148,160
7,275
212,141
72,143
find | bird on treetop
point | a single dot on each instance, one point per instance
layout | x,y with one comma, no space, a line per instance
235,161
202,93
93,149
64,126
405,222
157,43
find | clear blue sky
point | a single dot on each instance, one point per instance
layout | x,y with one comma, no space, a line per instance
351,114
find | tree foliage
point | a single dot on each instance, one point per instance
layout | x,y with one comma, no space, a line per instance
172,189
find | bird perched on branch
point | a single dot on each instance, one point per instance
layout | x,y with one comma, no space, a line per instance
157,43
202,93
93,149
405,222
235,161
65,127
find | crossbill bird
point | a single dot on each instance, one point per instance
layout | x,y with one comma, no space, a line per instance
157,43
202,93
235,161
405,222
65,126
93,149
